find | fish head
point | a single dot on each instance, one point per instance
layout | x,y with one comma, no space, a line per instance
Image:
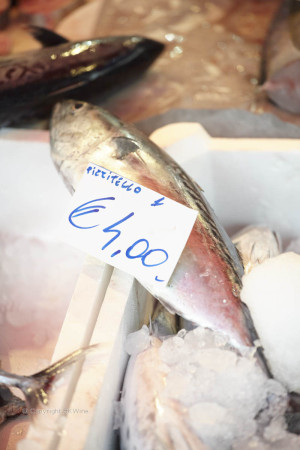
82,133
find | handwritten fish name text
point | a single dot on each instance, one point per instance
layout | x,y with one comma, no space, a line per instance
115,179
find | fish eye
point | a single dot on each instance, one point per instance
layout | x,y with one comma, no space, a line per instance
77,105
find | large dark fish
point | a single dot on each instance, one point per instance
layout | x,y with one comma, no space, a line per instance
32,78
205,284
34,387
281,58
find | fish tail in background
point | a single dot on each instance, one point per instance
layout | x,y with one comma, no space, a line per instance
281,58
36,387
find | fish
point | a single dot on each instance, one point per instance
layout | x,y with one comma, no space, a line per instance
256,243
281,58
205,285
33,78
36,388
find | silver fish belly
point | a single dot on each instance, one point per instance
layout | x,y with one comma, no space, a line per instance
206,282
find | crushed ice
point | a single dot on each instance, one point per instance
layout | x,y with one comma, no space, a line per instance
223,396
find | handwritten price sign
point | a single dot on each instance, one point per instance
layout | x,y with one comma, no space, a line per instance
127,225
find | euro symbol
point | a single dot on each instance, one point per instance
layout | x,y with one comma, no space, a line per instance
87,208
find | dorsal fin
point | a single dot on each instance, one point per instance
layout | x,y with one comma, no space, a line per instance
47,38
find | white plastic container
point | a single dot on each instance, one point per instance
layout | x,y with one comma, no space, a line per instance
247,185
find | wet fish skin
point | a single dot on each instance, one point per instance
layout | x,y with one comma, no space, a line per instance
34,77
205,285
281,58
255,244
34,387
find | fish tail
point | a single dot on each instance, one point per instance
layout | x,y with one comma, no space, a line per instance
36,387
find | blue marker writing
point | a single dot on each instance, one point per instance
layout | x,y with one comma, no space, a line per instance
82,210
110,229
145,253
158,202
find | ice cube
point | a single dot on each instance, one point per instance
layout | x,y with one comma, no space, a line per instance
138,341
172,350
272,293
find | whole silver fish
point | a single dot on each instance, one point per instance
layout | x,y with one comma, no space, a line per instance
34,387
32,78
255,244
206,282
281,58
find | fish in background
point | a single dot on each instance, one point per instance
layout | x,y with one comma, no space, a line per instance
205,285
31,79
255,244
281,58
35,387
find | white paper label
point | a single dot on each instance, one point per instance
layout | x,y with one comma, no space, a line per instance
127,225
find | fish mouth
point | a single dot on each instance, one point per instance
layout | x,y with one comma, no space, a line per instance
151,47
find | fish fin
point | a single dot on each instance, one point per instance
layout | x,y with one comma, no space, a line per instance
36,388
254,337
47,38
124,146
